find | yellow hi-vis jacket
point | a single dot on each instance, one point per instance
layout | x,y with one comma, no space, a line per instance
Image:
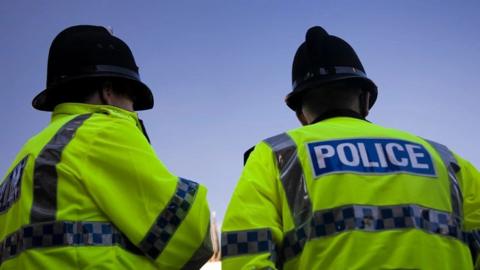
88,192
344,193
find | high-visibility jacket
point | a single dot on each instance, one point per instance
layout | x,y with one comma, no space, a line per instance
344,193
88,192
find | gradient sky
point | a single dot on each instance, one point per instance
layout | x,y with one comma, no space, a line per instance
220,71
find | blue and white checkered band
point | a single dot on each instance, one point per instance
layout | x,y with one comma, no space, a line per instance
61,234
170,219
11,186
370,218
247,243
370,156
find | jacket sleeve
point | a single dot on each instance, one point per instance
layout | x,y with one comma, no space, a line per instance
252,227
165,216
470,181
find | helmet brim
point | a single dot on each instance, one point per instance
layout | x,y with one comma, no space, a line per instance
294,98
46,100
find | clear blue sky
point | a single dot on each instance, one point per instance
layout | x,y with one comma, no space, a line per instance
220,70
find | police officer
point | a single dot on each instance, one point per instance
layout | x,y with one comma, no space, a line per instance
343,193
88,191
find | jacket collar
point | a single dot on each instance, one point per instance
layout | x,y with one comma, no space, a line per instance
83,108
65,109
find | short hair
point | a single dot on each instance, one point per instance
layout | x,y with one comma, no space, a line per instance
337,95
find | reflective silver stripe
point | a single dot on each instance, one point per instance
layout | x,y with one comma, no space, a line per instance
455,191
456,195
203,253
292,177
45,176
247,243
170,219
60,234
370,218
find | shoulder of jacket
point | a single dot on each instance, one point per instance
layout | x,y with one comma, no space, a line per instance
120,130
112,119
274,143
281,141
448,156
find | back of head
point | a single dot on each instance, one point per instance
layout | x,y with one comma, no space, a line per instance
335,98
323,61
85,54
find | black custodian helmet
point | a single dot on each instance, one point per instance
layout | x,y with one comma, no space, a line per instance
87,51
324,59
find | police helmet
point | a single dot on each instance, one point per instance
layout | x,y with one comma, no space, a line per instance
323,59
84,52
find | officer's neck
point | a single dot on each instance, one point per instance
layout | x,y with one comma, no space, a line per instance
107,96
337,113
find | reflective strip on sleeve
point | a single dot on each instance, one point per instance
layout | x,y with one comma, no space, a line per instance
248,243
45,176
292,177
370,218
170,219
61,234
452,166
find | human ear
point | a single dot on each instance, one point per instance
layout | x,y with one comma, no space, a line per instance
301,117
